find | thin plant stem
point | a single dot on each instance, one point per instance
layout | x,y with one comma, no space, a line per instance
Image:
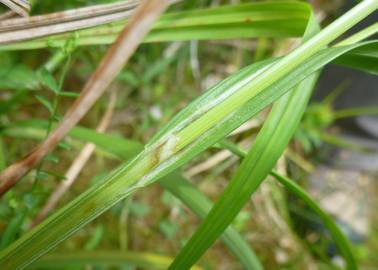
355,112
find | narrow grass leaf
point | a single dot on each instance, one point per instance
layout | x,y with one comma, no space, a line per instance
339,238
201,205
364,59
337,235
12,230
267,148
35,129
105,258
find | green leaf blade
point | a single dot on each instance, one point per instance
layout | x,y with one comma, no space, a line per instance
200,205
337,235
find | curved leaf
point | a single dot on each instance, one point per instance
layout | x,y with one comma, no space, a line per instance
339,238
266,150
269,145
201,205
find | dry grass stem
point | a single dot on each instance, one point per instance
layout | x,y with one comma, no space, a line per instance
68,15
214,160
114,60
251,124
21,7
19,29
7,15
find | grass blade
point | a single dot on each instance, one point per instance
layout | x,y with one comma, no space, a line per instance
267,148
362,59
341,241
339,238
105,258
352,112
361,35
200,205
35,129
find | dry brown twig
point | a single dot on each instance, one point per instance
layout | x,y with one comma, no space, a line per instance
76,166
215,159
7,15
21,7
68,15
20,29
116,57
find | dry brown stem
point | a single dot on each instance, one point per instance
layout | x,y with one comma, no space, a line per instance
76,166
7,15
21,7
116,57
20,29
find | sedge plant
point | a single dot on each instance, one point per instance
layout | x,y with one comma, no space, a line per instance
288,81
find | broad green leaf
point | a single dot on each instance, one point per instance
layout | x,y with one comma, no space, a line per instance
105,258
241,99
266,19
339,238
